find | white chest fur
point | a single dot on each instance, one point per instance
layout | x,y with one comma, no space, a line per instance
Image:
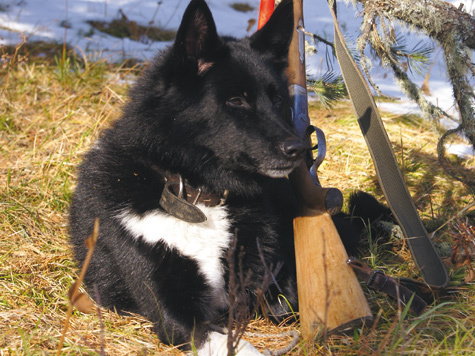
203,242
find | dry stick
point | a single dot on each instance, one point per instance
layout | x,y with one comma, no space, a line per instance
150,23
364,39
65,36
238,313
101,322
459,214
364,341
425,84
231,294
90,244
387,337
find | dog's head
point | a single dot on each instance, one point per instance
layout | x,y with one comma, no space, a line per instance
222,103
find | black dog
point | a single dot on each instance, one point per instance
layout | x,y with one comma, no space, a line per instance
198,159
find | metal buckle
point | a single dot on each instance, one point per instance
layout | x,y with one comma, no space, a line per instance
372,278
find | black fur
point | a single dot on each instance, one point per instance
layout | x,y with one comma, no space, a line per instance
215,110
364,205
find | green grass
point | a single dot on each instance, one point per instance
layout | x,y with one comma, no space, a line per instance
51,113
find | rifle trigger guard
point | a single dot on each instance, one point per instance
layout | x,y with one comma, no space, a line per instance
322,151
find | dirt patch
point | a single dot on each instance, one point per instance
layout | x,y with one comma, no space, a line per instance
124,28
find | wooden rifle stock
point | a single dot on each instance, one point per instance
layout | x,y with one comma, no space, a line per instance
330,295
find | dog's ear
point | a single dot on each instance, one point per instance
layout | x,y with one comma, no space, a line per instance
197,40
275,36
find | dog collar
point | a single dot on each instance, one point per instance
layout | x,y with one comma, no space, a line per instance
179,199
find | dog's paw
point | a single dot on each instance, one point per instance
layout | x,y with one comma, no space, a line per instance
216,345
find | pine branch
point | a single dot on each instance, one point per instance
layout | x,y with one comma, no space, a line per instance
462,89
417,58
453,28
438,19
328,89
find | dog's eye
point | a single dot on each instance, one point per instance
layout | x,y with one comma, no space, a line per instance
236,102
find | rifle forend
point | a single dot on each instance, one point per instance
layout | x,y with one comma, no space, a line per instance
305,183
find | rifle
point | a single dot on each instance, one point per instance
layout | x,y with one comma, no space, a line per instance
330,295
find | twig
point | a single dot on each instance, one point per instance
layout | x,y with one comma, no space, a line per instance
101,322
459,214
91,244
238,318
318,38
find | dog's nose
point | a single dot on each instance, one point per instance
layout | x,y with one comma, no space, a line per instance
293,148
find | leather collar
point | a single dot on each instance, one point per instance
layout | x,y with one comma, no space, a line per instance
179,199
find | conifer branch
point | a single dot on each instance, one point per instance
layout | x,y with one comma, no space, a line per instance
438,19
453,28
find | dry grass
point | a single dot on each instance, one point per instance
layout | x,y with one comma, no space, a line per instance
49,116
